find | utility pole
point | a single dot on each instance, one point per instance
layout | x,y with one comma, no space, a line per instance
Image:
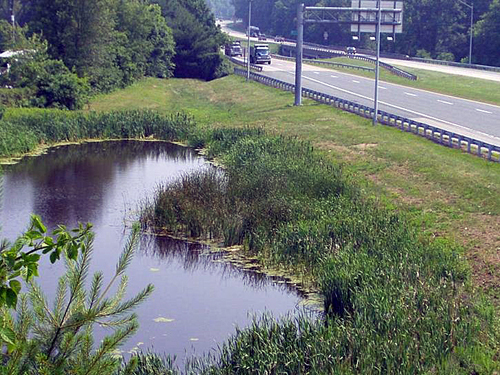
377,64
248,40
298,54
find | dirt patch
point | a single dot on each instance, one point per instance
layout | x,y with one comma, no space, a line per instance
365,146
343,152
480,235
411,188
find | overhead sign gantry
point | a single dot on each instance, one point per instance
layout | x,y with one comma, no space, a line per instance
364,16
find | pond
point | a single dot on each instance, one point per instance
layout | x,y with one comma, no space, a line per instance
198,300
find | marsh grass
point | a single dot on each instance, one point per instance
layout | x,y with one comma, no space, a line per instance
23,130
392,299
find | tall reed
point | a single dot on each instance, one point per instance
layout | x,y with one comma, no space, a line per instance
392,299
23,130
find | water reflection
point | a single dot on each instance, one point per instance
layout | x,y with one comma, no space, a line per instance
71,182
198,296
196,256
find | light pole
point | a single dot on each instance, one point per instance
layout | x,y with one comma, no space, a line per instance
377,64
248,40
298,54
471,26
13,19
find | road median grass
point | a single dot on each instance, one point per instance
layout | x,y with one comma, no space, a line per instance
477,89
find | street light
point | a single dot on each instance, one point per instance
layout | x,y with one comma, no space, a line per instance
471,26
248,41
377,63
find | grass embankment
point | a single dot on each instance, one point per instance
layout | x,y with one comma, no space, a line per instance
26,130
451,197
450,194
392,299
482,90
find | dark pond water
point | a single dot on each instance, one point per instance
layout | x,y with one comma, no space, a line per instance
198,299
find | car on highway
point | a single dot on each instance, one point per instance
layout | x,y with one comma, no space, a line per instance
262,37
259,53
351,50
279,39
254,31
233,49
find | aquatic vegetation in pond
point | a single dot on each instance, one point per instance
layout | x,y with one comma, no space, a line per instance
392,299
23,131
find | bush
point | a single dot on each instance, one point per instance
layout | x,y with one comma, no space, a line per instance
422,53
446,56
50,82
16,97
57,87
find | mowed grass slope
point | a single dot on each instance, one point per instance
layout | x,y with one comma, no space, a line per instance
451,195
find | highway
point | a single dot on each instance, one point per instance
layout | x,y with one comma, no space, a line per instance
492,76
466,117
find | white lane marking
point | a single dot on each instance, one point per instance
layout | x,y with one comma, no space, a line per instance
401,108
316,72
355,81
410,94
334,76
444,102
382,88
482,110
496,106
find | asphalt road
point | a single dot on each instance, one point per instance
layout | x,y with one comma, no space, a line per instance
467,72
466,117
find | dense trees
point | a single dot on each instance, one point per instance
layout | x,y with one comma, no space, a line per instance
488,36
197,38
436,28
106,44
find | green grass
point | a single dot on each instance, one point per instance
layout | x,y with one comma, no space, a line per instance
445,190
450,200
449,84
24,130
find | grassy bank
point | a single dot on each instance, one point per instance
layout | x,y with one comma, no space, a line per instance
392,298
25,130
448,193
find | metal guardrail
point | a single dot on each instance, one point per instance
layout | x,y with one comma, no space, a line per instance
242,63
433,133
400,56
460,65
325,52
328,63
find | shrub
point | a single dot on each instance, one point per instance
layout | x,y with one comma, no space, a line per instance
446,56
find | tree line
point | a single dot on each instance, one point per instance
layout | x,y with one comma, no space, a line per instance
73,48
431,28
